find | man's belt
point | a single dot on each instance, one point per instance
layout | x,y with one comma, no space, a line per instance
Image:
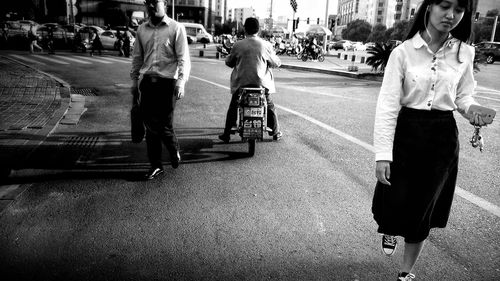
155,78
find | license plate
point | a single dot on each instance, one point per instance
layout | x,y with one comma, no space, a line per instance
253,112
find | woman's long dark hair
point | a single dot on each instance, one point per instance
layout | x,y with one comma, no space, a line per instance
462,31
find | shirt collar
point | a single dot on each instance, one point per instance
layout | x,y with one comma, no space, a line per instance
165,20
418,41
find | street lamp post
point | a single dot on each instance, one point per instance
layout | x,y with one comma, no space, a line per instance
179,14
326,25
494,29
173,8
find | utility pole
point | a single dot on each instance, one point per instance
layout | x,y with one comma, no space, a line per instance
173,9
325,44
494,29
72,14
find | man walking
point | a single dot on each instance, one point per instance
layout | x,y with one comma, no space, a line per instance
160,69
252,59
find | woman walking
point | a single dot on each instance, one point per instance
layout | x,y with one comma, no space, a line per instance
33,39
95,39
415,135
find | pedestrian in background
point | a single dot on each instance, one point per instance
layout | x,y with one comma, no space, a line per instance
160,69
50,40
415,135
126,43
119,41
96,43
33,39
252,60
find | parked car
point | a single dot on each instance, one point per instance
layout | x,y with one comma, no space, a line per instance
109,39
394,42
359,46
342,44
491,51
370,45
61,37
15,29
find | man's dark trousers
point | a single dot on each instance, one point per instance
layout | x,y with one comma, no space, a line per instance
157,108
232,114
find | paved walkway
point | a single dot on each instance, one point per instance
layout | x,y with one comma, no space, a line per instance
31,104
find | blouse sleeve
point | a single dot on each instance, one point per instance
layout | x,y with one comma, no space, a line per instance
466,85
388,105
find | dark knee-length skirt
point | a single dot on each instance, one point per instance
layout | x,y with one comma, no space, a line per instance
423,175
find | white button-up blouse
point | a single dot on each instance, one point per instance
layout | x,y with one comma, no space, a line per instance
418,78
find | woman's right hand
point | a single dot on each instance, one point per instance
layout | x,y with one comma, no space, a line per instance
383,172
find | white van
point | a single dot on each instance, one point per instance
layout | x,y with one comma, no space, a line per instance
197,33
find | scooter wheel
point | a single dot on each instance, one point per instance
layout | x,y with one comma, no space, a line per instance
304,57
251,147
321,58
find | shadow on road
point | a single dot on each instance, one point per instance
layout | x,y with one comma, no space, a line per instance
76,155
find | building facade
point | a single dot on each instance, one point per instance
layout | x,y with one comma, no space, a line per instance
386,12
241,14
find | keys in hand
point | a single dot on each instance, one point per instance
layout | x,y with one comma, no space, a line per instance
476,139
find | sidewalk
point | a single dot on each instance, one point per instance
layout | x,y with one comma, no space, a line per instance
31,105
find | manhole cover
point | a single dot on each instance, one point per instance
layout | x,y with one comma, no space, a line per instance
89,92
83,144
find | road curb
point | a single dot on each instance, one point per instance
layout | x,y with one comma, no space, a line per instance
367,76
356,75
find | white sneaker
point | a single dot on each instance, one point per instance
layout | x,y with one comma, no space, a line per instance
408,277
389,244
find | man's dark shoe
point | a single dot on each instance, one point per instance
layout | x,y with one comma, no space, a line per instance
176,159
278,136
153,173
225,138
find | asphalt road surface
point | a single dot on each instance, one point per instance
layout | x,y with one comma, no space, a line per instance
298,210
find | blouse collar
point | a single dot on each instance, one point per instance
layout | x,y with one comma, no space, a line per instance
419,42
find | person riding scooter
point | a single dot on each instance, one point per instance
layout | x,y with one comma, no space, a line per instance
313,48
252,59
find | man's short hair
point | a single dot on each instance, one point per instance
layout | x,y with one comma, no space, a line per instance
251,25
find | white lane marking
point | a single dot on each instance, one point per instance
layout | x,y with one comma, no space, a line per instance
52,60
210,82
487,90
93,60
486,98
73,59
476,200
115,60
26,59
490,207
329,128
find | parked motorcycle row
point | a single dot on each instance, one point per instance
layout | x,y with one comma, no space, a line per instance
302,51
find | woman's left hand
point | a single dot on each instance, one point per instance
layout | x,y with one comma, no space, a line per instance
477,120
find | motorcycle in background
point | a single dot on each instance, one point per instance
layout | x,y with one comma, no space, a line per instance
308,54
224,49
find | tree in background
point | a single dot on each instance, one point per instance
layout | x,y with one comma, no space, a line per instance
378,33
399,30
388,33
357,30
379,56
